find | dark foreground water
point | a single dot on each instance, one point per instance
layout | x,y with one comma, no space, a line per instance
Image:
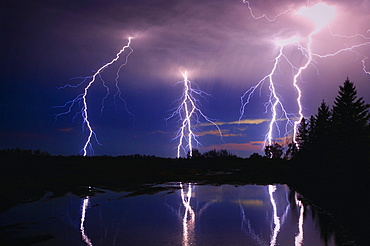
184,214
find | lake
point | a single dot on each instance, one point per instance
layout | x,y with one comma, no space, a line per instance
169,214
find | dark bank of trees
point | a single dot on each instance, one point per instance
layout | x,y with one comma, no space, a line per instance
332,162
336,139
23,152
212,154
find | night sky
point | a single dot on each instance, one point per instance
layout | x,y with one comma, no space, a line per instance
225,46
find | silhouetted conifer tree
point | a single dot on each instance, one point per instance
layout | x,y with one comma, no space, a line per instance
350,122
320,132
291,151
302,138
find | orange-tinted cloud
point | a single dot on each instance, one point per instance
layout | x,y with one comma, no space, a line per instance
251,146
250,202
224,133
211,132
241,122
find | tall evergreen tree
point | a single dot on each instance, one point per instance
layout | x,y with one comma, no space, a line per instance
311,126
313,138
320,131
302,138
350,111
350,122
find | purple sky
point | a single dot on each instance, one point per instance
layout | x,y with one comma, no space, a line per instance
224,49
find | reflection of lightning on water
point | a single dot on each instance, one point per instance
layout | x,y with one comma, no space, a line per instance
188,222
82,98
299,237
85,238
276,220
189,216
321,15
246,227
189,111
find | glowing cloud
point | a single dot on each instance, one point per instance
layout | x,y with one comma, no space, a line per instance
320,14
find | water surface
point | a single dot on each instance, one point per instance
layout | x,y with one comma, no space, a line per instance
182,214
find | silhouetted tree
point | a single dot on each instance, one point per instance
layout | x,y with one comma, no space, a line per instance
302,138
255,156
291,151
210,154
195,154
320,139
222,153
274,151
350,122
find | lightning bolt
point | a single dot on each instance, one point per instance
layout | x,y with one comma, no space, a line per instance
264,15
321,15
189,111
82,98
274,101
246,226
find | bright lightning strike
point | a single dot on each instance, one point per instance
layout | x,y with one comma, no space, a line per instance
82,98
321,15
274,100
189,113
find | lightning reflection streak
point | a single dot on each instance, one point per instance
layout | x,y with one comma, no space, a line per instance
188,222
277,225
84,207
299,237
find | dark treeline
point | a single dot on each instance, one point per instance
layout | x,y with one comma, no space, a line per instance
337,139
334,141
